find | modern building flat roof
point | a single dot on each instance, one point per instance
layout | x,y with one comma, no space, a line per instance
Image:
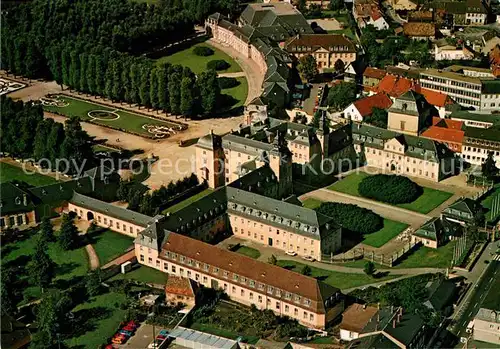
204,340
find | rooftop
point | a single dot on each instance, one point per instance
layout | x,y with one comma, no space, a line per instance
366,105
203,340
374,73
419,29
356,317
332,42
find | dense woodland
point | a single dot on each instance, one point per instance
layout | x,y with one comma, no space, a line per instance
100,46
51,140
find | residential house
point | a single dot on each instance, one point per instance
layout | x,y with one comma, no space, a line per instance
373,76
477,119
327,49
395,86
448,132
444,51
441,294
489,40
494,56
362,108
180,290
462,13
389,327
419,30
401,153
476,13
487,326
369,13
443,103
404,5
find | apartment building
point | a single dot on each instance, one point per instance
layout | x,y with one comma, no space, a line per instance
478,143
479,93
369,13
462,13
401,153
327,49
487,326
245,280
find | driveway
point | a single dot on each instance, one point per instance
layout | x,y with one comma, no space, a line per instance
414,219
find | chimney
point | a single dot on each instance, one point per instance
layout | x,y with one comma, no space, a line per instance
393,323
392,309
401,311
399,318
25,200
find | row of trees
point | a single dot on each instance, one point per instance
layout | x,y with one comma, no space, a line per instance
151,203
26,134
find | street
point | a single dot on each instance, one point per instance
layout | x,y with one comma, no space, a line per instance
479,291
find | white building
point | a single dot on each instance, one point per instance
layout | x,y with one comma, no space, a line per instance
451,52
362,108
487,326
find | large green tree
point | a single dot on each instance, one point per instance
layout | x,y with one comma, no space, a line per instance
341,95
174,88
68,233
41,267
308,67
488,167
187,96
209,91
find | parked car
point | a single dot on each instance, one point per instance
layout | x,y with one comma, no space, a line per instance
132,323
309,258
156,344
163,333
129,328
291,253
125,332
119,339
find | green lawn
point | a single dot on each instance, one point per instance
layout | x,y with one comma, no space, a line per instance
429,200
187,202
101,316
217,331
143,274
390,230
346,31
248,251
70,264
10,172
127,121
336,279
198,64
487,203
426,257
239,93
108,245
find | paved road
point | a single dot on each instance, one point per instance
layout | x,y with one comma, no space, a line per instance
414,219
473,300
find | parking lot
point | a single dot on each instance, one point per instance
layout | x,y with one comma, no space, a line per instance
142,338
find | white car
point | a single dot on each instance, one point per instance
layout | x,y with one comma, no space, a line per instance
309,258
291,253
156,344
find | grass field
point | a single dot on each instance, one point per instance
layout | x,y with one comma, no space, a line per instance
248,251
239,93
187,202
71,265
426,257
377,239
108,245
101,316
390,230
198,64
9,172
127,121
487,203
336,279
429,200
143,274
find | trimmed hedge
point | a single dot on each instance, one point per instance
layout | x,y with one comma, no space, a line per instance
225,82
392,189
218,64
352,217
203,51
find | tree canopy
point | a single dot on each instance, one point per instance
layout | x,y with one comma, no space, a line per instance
354,218
489,168
341,95
308,67
392,189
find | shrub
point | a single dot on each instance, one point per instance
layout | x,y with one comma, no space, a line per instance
225,82
203,51
218,64
392,189
352,217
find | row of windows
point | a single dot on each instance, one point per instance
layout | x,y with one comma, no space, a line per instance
414,171
289,247
14,220
111,223
235,277
482,151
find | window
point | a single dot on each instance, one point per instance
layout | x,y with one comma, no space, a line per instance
242,293
233,289
287,308
205,279
252,283
260,299
157,263
173,269
251,296
150,260
142,258
277,305
296,312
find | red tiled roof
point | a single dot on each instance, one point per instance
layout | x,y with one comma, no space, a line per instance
419,29
435,98
230,265
442,134
365,106
447,123
356,317
375,14
395,86
179,285
374,73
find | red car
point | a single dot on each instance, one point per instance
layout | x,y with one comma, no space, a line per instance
129,328
132,323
